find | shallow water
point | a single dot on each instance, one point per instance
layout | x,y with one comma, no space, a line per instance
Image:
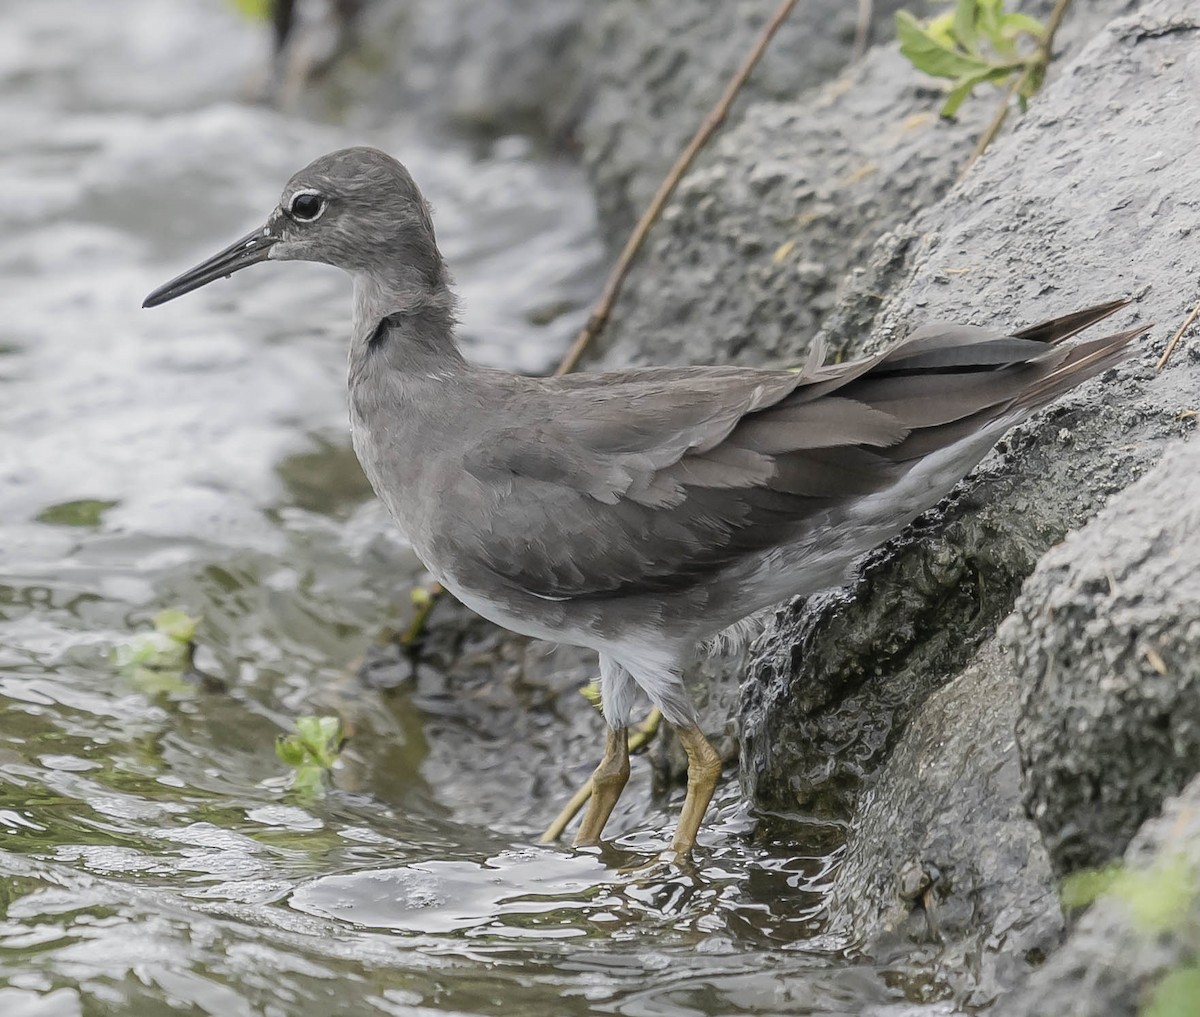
152,857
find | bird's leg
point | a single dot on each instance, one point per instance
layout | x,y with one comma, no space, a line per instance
639,738
608,782
704,767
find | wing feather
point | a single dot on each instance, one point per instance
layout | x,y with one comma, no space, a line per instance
650,481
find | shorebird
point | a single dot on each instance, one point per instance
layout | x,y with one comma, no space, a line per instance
642,512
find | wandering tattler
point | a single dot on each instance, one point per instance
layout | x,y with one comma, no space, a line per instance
639,512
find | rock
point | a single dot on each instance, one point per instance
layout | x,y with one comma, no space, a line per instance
849,668
1107,637
754,249
942,866
502,67
1136,945
652,70
838,692
747,259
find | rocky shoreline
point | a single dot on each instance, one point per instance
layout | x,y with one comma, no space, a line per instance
1013,686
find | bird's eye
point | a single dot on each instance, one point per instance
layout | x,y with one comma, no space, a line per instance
306,206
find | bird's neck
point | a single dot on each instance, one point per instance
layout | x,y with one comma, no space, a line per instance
405,325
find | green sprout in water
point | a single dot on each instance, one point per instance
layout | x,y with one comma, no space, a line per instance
161,661
977,41
311,752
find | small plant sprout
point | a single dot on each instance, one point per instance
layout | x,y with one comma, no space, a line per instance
162,660
977,41
424,599
311,751
591,692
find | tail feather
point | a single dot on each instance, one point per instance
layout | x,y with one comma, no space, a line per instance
949,382
1055,330
1082,362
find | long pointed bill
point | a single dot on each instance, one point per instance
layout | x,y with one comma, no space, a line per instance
251,249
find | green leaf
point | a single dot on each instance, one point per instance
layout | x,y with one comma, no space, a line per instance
289,750
966,14
1083,888
151,650
1158,898
928,54
86,512
591,692
176,625
1014,24
1176,995
158,681
316,742
1031,85
309,780
965,85
941,29
987,16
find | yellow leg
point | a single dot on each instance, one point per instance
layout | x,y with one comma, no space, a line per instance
642,734
704,768
608,782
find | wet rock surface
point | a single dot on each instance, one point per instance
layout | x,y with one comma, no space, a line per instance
1016,237
840,684
1125,952
943,870
1105,634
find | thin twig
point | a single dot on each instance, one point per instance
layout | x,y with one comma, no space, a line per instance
862,29
1162,361
716,116
989,135
1037,63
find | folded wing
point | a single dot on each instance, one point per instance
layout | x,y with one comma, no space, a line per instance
651,481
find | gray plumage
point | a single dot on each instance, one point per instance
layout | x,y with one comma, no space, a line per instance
639,512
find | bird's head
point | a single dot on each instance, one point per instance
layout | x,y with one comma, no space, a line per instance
356,209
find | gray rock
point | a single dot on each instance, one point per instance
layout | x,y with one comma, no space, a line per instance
1025,231
1107,637
748,257
501,67
840,690
1114,964
942,866
652,70
753,251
